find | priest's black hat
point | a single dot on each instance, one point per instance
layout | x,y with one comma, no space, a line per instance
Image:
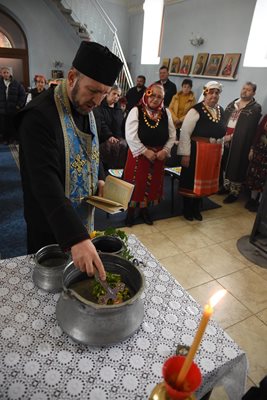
98,62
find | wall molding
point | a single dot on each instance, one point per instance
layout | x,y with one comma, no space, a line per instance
171,2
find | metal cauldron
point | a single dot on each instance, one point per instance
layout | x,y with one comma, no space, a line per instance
50,262
108,244
94,324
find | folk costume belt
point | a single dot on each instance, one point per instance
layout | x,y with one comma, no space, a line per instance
207,140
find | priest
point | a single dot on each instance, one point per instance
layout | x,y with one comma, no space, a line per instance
59,157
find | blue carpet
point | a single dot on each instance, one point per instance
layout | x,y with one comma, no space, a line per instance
161,211
12,224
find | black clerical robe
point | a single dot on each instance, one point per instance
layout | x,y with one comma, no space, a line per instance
49,215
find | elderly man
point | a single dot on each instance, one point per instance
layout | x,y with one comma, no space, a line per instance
12,99
134,94
241,118
59,156
169,87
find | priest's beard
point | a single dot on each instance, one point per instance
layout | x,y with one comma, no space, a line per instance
75,99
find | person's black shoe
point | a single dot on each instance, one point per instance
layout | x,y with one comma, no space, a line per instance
198,216
129,221
251,203
188,216
253,207
230,199
146,217
223,190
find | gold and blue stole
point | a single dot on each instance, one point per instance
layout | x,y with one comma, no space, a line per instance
81,158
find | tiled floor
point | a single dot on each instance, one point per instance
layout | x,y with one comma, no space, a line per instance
203,257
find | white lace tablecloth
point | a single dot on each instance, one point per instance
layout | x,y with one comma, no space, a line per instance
39,361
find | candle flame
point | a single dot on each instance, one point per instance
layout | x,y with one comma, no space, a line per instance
217,297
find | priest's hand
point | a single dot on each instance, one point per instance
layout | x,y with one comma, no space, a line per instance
86,258
185,161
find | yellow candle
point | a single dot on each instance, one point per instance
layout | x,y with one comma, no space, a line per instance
208,310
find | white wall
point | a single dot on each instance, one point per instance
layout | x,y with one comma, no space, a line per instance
225,27
48,34
223,24
86,13
118,13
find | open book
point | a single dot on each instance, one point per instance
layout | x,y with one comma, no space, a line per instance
117,194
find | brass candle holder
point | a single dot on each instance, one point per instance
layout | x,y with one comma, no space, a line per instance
159,393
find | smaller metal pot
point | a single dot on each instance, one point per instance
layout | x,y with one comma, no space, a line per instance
50,262
108,244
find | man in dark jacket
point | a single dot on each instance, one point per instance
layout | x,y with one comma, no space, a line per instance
134,94
113,147
241,118
59,157
169,87
12,99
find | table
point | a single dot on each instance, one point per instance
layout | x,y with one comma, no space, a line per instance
39,361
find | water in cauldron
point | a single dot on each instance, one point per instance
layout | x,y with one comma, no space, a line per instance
84,289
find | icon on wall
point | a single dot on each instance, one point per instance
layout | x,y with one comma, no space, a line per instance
166,62
200,63
175,65
186,65
57,74
213,65
230,64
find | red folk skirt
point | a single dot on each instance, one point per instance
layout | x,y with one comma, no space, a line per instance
147,177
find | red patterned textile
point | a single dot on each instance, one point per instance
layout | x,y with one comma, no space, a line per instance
147,177
207,168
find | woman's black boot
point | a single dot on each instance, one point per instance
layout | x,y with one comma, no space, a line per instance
196,209
129,221
188,208
145,215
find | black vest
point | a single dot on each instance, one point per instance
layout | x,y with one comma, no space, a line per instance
206,127
156,137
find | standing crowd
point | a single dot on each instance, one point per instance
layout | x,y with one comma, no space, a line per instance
74,132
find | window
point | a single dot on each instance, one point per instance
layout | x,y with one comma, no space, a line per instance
153,11
4,41
256,51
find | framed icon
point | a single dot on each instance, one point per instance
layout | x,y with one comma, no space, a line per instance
186,65
175,65
200,63
214,64
230,64
165,62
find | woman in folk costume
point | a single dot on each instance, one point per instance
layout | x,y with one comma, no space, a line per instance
150,134
257,169
200,146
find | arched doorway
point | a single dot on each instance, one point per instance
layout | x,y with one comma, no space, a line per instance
14,48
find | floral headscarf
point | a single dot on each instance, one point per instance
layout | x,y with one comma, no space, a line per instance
148,92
